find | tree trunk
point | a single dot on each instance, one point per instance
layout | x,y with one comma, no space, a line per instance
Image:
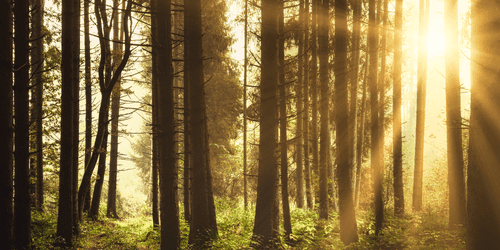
115,116
283,124
421,95
266,211
305,116
399,202
6,133
354,72
375,146
483,198
314,99
299,108
324,100
170,231
245,191
348,228
361,135
65,214
381,83
76,110
453,117
101,172
88,96
155,97
187,144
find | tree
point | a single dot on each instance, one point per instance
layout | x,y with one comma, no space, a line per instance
266,211
65,211
283,124
76,110
300,109
348,228
201,222
245,191
170,232
107,81
6,170
314,96
305,115
399,204
421,95
483,198
22,220
115,114
154,118
324,103
101,171
88,95
374,104
453,117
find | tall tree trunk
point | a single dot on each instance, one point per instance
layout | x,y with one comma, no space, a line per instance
37,68
299,108
115,114
453,117
170,230
348,228
483,198
187,135
201,223
65,214
6,133
107,82
22,220
76,110
155,97
88,95
283,122
354,72
314,99
266,211
101,172
421,96
324,101
399,202
375,146
381,107
361,135
245,191
305,115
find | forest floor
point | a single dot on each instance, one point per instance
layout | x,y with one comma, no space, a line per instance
427,230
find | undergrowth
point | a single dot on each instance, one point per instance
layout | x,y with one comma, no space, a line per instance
427,230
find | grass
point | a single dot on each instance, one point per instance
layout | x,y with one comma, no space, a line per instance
427,230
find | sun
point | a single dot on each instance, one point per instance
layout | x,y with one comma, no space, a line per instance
436,42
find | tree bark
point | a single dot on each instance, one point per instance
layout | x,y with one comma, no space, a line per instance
115,116
483,198
348,228
76,110
245,191
88,95
314,100
65,211
324,100
170,231
155,97
299,108
101,172
361,135
421,95
266,212
6,133
399,202
456,180
305,116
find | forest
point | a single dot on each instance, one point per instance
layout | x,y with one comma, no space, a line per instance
250,124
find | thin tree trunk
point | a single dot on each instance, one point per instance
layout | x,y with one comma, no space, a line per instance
375,147
76,110
6,133
314,99
101,171
421,95
283,122
381,83
324,119
399,202
115,116
361,136
299,108
266,211
245,191
305,116
154,94
88,95
65,211
453,117
187,135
